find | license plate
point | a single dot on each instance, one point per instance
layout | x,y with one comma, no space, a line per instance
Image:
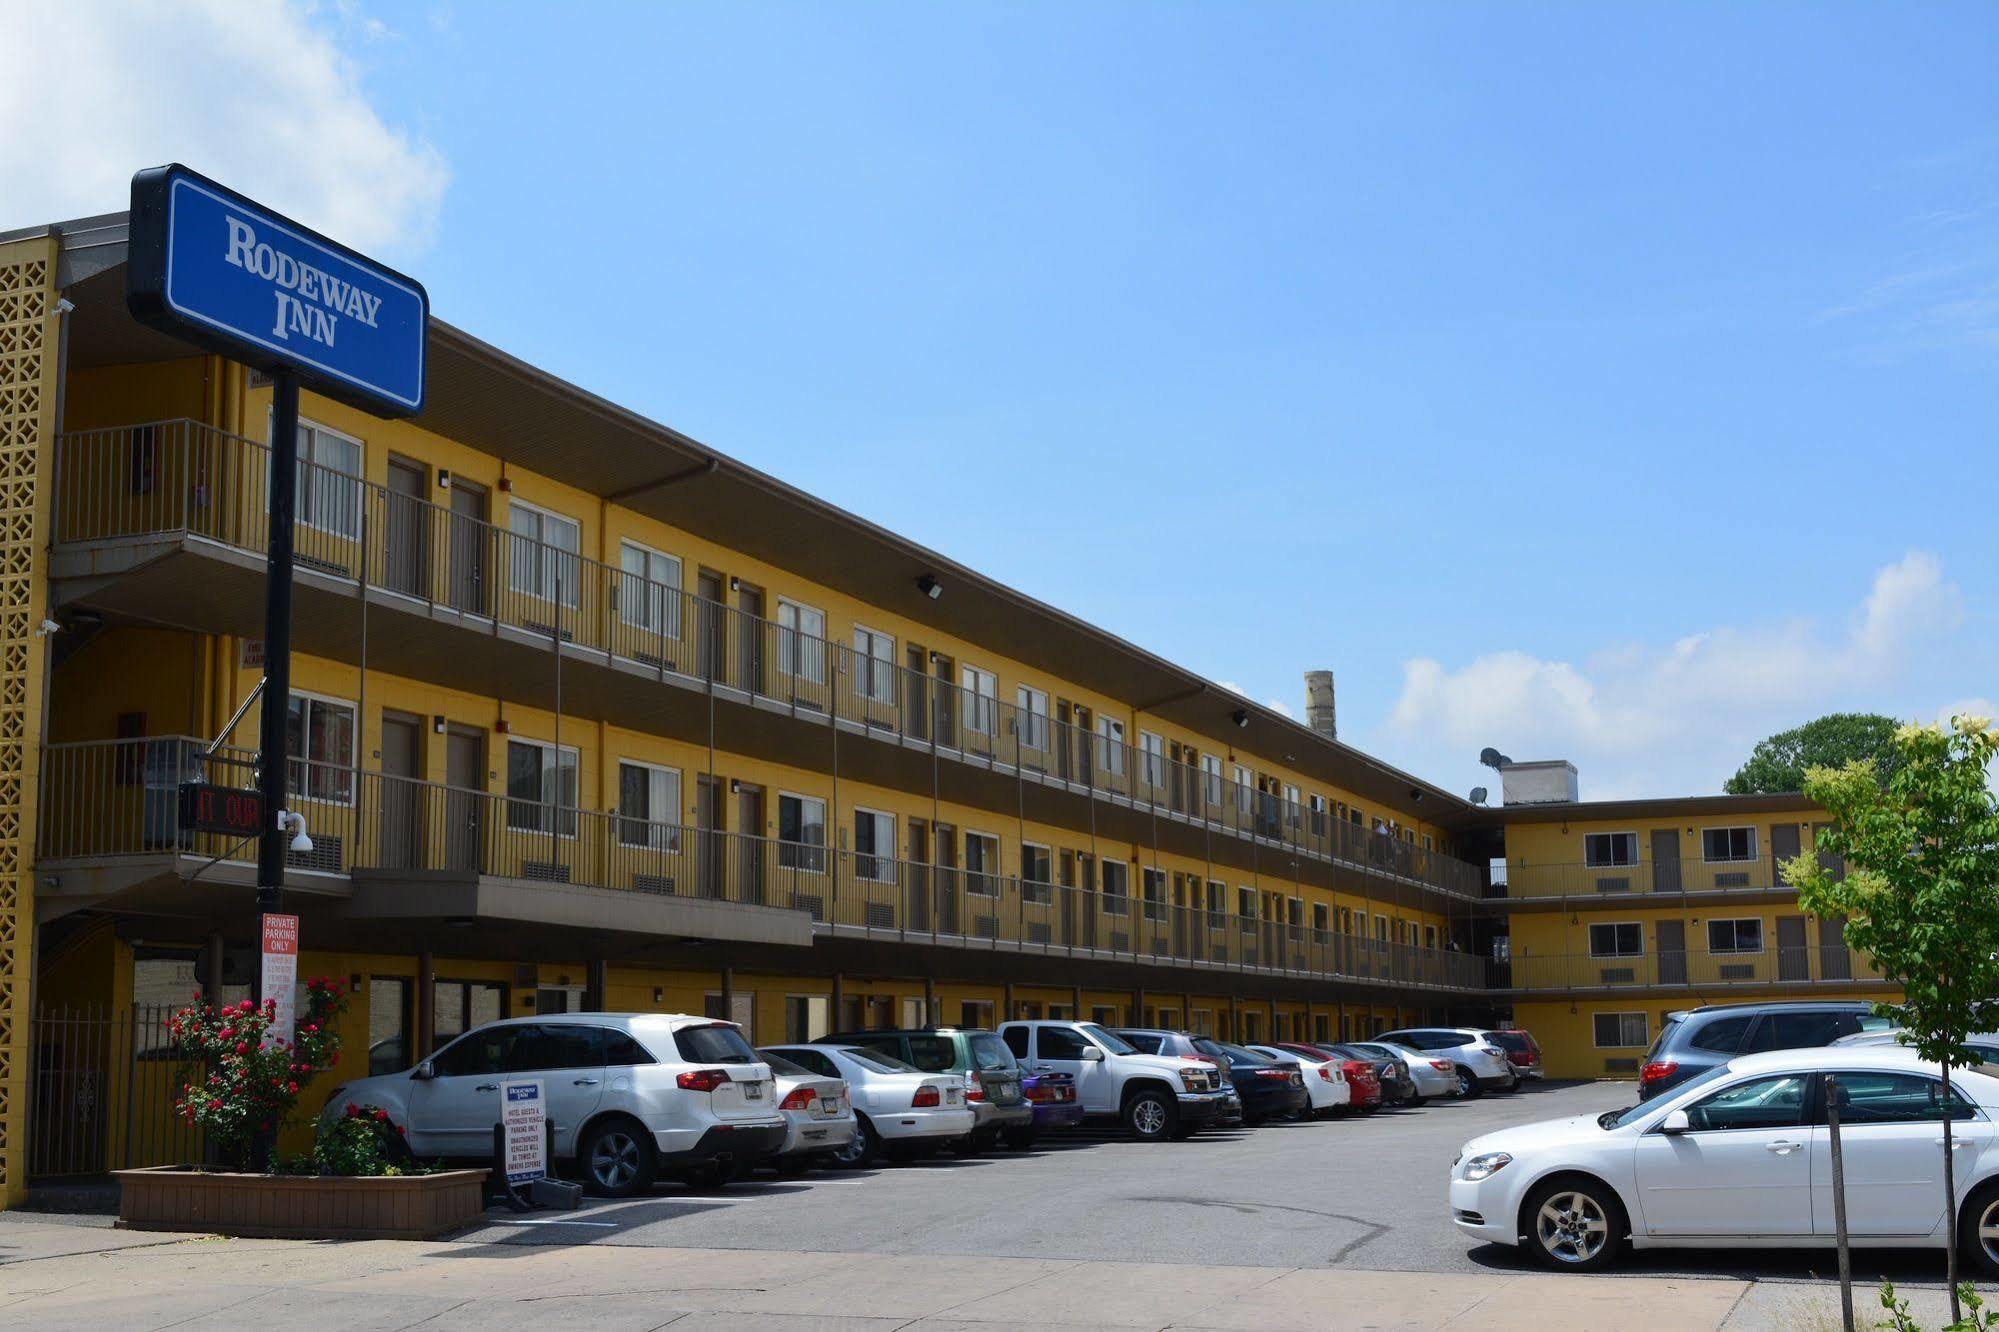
829,1107
753,1091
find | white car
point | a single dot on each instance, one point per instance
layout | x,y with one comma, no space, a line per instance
818,1115
1155,1097
893,1102
1326,1084
1479,1065
630,1096
1433,1074
1740,1156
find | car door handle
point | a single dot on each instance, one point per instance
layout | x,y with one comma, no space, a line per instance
487,1086
1955,1142
584,1082
1781,1146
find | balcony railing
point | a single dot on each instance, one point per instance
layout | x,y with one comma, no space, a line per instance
184,477
112,800
1802,964
1526,882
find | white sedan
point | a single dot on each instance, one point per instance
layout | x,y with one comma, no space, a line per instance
893,1102
1741,1157
1326,1083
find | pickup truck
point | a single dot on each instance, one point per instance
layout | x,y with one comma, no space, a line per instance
1155,1097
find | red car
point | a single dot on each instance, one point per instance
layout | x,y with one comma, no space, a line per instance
1522,1051
1361,1077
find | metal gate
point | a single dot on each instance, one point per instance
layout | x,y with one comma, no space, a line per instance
101,1092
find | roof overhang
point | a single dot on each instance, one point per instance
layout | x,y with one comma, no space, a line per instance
484,397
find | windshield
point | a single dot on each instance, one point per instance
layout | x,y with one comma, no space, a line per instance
1631,1114
1117,1045
1511,1040
1378,1051
714,1045
1241,1055
990,1055
876,1060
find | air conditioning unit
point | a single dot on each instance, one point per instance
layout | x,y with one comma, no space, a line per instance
1618,975
653,883
1734,879
544,871
1620,1065
880,916
1739,971
812,904
1620,884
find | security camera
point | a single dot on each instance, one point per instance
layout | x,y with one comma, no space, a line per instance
295,825
48,627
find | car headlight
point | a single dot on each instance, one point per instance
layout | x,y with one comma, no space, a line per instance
1193,1079
1487,1165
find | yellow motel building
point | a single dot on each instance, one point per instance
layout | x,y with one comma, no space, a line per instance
586,714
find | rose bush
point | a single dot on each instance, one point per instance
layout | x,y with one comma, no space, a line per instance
363,1141
243,1085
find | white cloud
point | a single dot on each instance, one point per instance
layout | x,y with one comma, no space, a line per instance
1276,705
1674,718
257,95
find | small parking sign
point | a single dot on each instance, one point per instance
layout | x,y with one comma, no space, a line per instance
524,1136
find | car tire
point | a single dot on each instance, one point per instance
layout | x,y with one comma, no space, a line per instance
1019,1140
618,1159
1468,1087
1573,1224
1150,1115
1415,1100
1978,1249
860,1151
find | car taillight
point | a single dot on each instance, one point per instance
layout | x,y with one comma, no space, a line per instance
1441,1065
1521,1056
800,1098
974,1090
1281,1074
1657,1071
925,1096
702,1079
1325,1073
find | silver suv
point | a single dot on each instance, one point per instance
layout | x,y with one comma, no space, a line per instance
1477,1062
631,1096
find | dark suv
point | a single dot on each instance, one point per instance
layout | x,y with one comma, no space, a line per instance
1696,1039
992,1075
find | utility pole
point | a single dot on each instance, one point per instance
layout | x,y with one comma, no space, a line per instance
271,746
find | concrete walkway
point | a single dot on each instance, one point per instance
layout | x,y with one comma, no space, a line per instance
62,1272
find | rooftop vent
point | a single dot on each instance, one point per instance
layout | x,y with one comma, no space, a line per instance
1319,712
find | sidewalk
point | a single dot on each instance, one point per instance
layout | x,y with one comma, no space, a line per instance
76,1273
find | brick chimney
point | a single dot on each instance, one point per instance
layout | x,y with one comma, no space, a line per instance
1319,712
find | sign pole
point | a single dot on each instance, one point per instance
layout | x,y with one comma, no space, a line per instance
271,754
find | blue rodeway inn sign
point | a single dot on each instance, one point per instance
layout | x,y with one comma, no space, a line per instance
210,266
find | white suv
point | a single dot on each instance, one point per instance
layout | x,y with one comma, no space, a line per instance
1476,1061
631,1096
1153,1096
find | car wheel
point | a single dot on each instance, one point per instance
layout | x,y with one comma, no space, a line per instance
1468,1084
618,1159
1978,1231
1019,1140
1574,1225
1149,1115
859,1150
1414,1100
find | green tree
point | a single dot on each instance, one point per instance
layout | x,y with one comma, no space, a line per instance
1920,893
1834,740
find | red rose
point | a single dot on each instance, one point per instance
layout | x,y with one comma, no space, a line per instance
292,1087
242,1047
214,1105
353,1109
226,1033
246,1007
401,1131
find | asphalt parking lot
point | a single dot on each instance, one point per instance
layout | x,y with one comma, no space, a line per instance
1365,1193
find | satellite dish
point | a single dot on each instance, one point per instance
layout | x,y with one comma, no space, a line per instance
1492,758
1478,794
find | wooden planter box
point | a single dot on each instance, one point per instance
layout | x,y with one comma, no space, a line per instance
299,1206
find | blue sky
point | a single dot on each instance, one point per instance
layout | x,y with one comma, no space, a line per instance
1615,383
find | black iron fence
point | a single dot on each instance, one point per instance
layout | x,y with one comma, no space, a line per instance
102,1084
184,477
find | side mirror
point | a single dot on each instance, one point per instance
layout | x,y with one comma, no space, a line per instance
1675,1122
423,1072
1092,1055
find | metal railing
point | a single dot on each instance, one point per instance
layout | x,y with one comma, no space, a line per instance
186,477
101,1090
1527,882
1807,964
115,799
